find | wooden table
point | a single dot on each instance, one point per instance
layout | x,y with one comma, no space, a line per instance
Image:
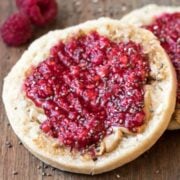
16,163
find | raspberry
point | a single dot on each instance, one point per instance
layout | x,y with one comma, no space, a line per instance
40,12
19,3
16,30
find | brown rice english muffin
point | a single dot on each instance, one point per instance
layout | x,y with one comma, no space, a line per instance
124,142
145,16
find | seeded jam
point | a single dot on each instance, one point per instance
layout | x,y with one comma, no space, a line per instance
167,28
87,86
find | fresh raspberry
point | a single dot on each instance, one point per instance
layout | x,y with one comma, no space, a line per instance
40,12
19,3
16,30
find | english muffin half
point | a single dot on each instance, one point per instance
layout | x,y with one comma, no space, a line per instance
92,97
164,22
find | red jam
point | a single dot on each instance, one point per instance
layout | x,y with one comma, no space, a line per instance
167,28
88,85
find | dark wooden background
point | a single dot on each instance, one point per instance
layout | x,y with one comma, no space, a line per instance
162,162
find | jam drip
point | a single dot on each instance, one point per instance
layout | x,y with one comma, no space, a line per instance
167,28
88,85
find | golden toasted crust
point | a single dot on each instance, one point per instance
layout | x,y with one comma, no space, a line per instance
145,16
25,117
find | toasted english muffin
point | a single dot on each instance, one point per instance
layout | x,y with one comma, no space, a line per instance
145,16
122,144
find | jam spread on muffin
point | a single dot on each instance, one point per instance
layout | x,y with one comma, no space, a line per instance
88,85
167,28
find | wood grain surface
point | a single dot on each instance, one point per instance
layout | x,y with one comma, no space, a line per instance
161,162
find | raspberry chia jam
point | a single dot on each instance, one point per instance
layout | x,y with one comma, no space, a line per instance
167,28
88,85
